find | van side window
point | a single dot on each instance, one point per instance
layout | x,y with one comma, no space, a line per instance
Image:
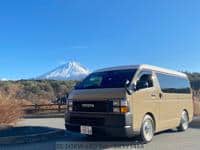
145,80
173,84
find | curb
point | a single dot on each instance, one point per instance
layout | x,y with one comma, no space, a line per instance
32,138
46,115
43,116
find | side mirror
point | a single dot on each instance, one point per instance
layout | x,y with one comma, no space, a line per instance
130,88
142,85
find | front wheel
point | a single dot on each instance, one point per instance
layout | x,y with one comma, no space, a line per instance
184,123
147,129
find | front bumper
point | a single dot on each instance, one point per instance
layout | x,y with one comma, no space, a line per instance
116,125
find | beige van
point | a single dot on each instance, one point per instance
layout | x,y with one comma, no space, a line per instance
130,100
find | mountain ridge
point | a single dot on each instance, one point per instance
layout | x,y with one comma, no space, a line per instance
69,71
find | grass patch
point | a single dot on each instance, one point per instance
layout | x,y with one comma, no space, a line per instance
10,111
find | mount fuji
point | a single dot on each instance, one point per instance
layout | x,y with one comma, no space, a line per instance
69,71
3,79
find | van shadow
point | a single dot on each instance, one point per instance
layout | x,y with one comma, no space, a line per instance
113,141
118,143
125,141
195,123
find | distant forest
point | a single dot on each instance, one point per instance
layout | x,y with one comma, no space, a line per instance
47,91
35,91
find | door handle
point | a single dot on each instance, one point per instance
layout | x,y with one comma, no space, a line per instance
153,95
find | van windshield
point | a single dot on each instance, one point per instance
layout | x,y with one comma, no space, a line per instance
107,79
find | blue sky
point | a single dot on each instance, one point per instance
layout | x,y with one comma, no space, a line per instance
36,36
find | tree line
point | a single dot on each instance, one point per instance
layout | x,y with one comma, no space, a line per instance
35,91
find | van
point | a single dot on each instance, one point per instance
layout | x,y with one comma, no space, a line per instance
130,100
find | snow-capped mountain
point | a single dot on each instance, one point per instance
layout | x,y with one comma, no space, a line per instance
69,71
3,79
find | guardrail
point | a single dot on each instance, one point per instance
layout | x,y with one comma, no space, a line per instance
60,108
31,109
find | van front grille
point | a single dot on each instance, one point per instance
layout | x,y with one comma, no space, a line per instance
92,106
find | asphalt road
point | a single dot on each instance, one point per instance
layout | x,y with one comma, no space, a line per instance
171,139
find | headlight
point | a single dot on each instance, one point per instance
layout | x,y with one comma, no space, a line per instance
120,106
116,103
70,108
116,109
70,105
123,102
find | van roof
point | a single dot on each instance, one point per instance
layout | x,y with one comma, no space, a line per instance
144,66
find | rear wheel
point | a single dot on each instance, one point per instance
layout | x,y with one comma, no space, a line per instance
184,123
147,129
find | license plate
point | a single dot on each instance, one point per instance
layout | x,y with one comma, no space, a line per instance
86,130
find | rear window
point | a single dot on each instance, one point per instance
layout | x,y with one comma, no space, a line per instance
173,84
107,79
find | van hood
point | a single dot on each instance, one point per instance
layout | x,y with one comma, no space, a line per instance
98,94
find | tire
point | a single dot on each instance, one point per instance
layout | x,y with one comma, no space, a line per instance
147,129
184,121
